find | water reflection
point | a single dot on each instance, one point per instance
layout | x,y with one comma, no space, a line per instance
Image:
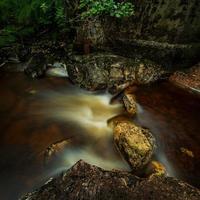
35,114
173,117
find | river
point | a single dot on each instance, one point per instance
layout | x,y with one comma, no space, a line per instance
36,113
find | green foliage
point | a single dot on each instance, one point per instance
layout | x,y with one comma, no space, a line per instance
106,7
60,17
10,34
32,12
23,18
7,36
20,18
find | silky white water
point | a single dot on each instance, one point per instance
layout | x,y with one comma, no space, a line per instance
89,112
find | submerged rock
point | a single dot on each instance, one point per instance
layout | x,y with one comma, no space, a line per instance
189,80
54,150
187,152
85,181
105,70
136,144
155,168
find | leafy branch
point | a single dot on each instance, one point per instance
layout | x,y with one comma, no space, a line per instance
92,8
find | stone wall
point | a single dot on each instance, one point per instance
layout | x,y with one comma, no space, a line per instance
172,21
165,31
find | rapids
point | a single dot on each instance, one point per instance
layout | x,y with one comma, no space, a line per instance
36,113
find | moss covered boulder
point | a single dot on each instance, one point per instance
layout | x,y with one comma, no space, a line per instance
113,72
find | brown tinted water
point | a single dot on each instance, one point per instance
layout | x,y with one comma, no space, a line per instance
35,114
174,118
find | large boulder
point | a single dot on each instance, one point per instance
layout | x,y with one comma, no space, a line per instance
85,181
135,144
105,70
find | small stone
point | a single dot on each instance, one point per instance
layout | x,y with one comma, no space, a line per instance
54,150
155,168
130,103
33,92
136,144
187,152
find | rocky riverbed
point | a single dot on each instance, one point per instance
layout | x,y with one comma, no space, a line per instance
135,144
120,122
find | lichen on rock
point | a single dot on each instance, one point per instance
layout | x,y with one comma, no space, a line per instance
112,72
85,181
135,144
188,80
130,103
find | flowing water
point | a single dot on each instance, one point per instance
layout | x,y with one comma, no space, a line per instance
173,116
35,114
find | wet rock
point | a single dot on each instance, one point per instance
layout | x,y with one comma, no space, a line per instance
32,92
36,66
58,69
13,59
85,181
56,72
130,103
105,70
14,67
187,152
155,168
54,150
170,56
188,80
135,144
8,55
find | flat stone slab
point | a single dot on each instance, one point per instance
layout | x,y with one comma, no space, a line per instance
189,81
